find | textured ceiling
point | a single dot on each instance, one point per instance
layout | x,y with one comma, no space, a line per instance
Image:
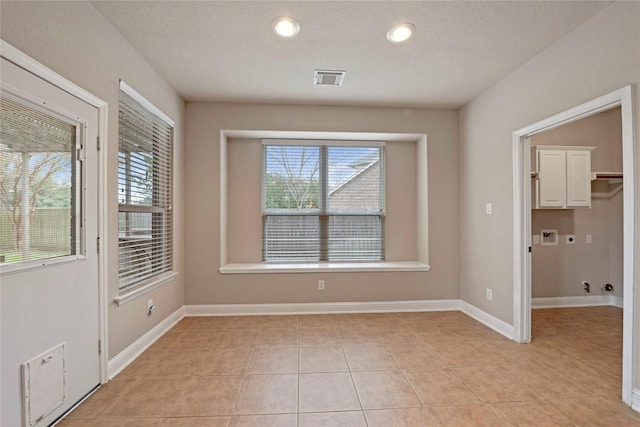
227,51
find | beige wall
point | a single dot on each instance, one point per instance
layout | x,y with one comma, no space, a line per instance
600,56
205,285
75,41
558,271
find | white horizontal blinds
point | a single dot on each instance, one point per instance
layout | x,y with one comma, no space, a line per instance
323,202
39,183
291,238
145,222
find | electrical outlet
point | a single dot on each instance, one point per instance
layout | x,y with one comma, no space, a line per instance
321,285
490,294
150,307
488,208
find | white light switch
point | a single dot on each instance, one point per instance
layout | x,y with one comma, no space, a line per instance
536,239
589,238
488,208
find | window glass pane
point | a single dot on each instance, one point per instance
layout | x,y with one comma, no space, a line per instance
292,178
38,184
354,180
291,238
343,184
355,238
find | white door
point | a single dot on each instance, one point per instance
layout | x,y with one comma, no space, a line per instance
48,249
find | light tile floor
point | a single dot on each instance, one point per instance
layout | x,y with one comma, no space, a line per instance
397,369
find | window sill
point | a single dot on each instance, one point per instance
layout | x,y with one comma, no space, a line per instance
354,267
130,295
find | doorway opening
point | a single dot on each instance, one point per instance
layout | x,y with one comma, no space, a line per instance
523,241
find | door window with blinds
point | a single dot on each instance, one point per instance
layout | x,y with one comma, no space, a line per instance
323,201
145,147
40,182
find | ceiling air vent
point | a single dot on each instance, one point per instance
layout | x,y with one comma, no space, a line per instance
328,77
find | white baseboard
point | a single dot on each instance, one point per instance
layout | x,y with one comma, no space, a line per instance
586,301
616,301
635,399
129,354
321,308
487,319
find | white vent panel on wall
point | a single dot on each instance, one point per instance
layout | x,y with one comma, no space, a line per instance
43,384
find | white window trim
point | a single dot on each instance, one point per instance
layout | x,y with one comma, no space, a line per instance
323,267
154,282
422,202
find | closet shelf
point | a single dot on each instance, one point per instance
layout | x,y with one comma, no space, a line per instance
607,175
612,177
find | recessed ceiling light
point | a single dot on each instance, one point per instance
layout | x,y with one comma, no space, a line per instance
285,26
401,32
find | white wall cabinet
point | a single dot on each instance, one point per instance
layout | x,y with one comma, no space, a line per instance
564,177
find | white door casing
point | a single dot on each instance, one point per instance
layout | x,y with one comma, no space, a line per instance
55,302
522,223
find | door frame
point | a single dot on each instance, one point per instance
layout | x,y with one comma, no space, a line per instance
29,64
522,223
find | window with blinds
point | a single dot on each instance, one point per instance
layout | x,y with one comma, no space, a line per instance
323,201
145,159
40,181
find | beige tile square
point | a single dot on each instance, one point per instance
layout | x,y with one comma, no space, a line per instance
440,387
246,322
195,422
384,390
238,338
318,336
533,414
492,384
544,382
322,359
110,422
277,337
460,354
396,336
415,357
97,404
593,411
226,361
279,420
195,340
326,392
368,358
148,397
465,416
274,360
268,394
359,336
332,419
407,417
316,321
282,321
207,396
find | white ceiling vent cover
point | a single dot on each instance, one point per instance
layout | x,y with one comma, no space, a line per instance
328,77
